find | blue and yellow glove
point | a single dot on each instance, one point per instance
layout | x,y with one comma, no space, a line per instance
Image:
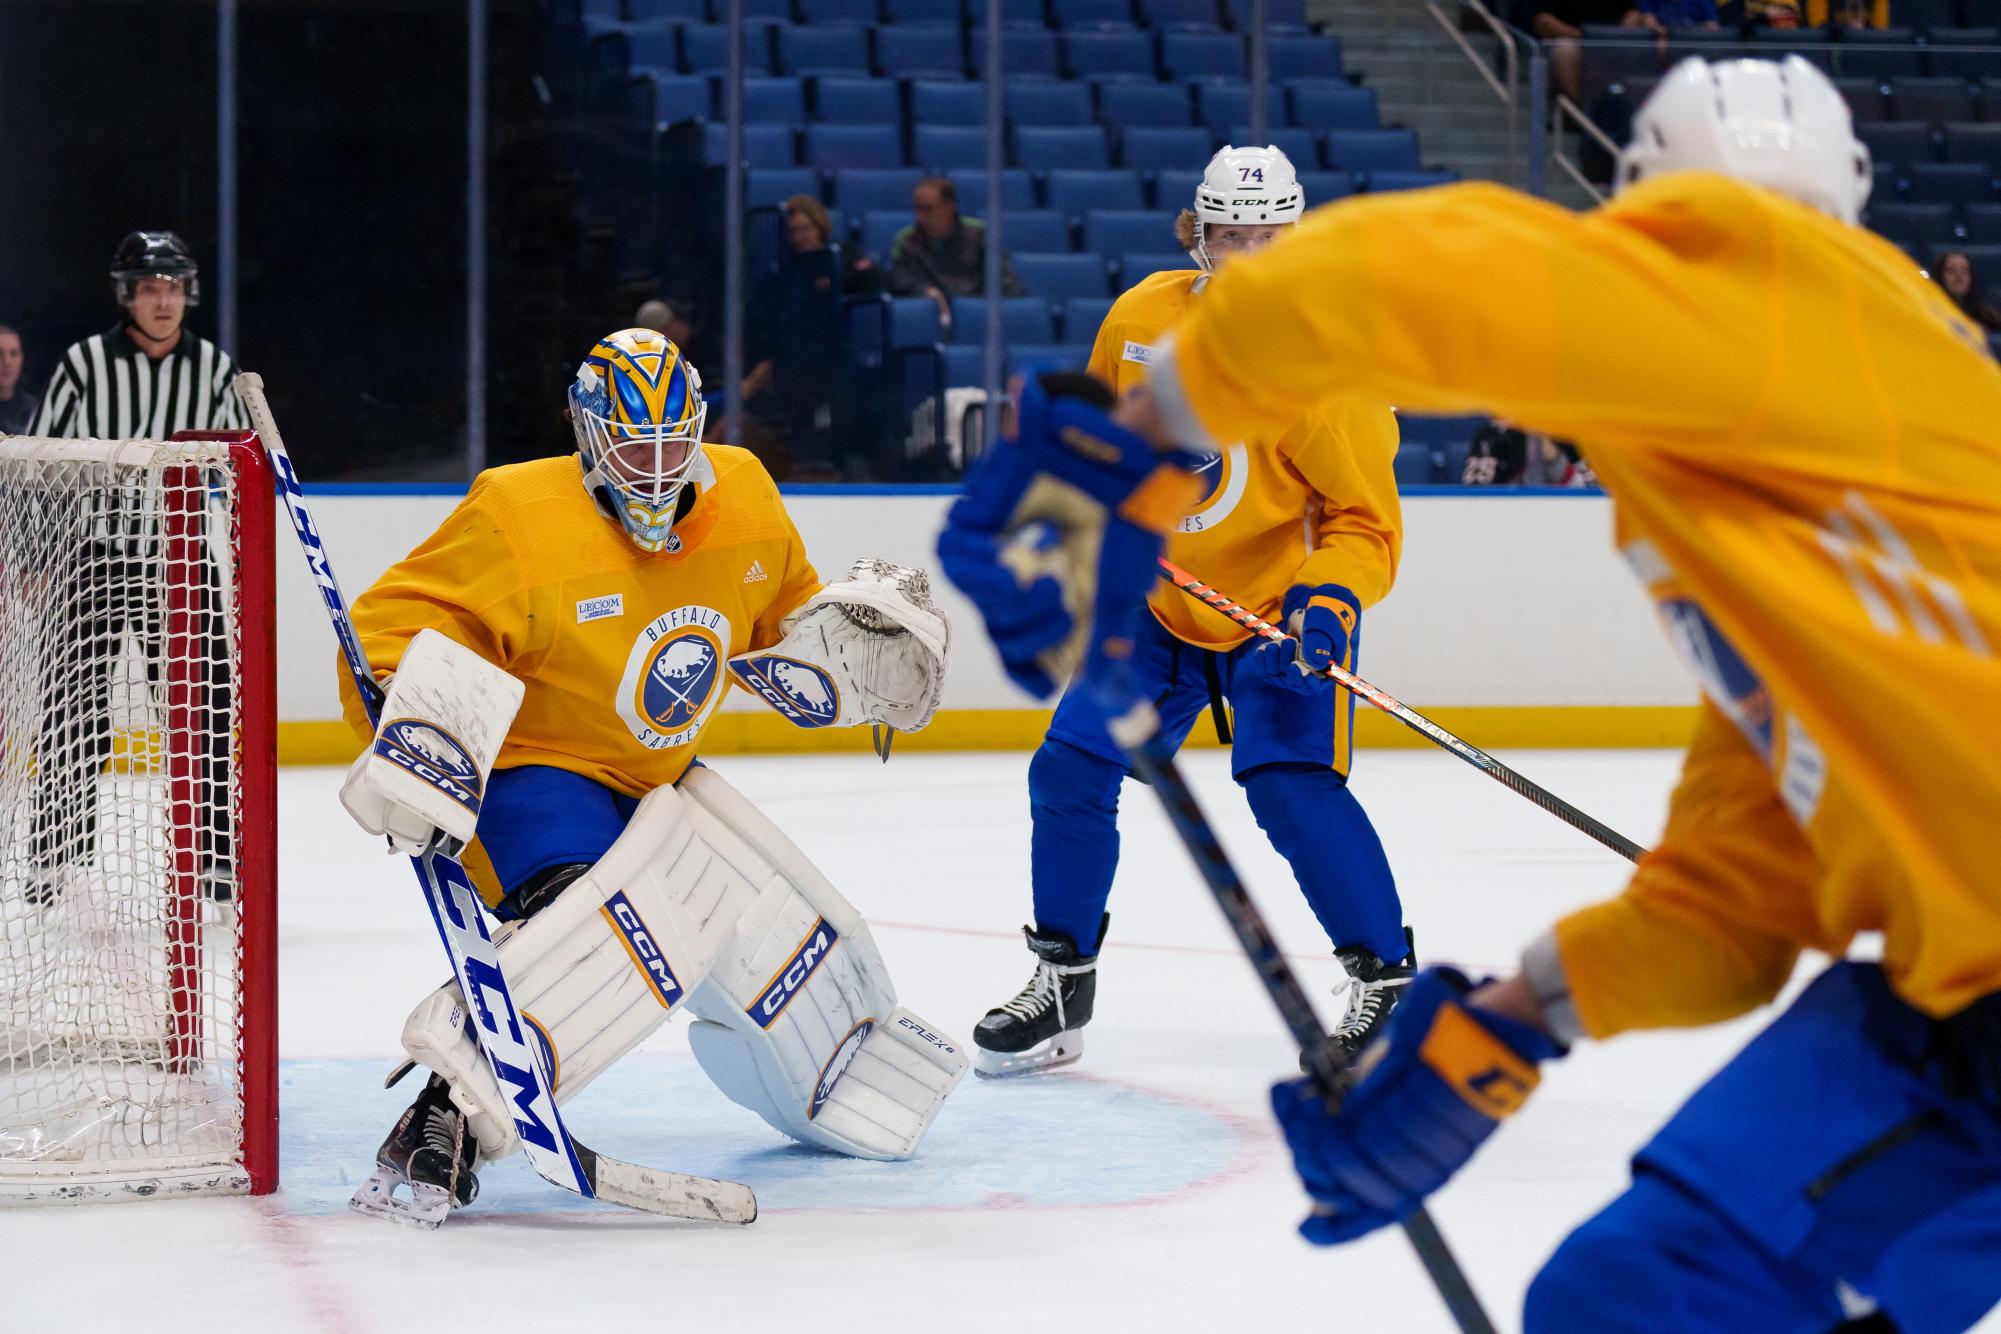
1321,622
1440,1079
1055,537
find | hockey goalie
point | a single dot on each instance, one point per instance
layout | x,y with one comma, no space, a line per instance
552,656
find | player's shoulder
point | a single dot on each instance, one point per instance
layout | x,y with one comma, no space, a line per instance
1151,306
739,469
749,506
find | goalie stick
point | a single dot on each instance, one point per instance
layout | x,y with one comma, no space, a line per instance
455,910
1411,718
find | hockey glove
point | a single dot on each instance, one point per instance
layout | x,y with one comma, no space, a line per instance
1321,621
1437,1082
1055,538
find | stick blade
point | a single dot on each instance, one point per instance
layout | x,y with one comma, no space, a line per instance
655,1190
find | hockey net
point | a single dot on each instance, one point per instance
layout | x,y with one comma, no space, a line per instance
137,819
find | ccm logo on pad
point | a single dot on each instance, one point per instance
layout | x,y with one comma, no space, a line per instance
792,976
638,942
433,755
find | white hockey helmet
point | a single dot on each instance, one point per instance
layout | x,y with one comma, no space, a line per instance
1780,125
1245,185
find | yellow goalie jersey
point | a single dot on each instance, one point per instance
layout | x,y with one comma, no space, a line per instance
1314,502
1799,433
623,653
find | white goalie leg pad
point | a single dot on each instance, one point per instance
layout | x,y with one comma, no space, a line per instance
870,648
798,1019
597,971
447,711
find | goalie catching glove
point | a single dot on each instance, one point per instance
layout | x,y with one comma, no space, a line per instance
868,649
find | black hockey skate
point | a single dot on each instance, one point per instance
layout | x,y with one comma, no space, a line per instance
431,1152
1373,990
1043,1026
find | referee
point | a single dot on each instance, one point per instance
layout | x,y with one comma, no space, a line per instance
144,379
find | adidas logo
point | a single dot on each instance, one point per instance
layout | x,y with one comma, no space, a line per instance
755,574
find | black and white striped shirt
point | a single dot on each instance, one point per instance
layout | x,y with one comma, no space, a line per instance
106,388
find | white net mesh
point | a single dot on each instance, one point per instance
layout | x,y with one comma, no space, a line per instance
120,816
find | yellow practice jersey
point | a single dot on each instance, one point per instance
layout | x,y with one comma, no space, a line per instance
622,652
1314,502
1799,433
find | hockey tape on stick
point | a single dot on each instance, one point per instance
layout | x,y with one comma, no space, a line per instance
1411,718
455,911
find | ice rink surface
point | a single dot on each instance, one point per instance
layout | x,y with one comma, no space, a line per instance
1145,1189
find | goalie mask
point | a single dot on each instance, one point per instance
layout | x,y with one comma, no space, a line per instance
636,406
1246,186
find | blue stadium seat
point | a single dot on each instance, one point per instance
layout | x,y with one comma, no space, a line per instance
1813,45
1986,260
1059,355
965,365
847,147
686,97
837,11
1301,146
1303,57
1122,231
1952,183
779,100
1372,150
1333,105
1202,55
1164,148
1324,187
774,185
1983,223
763,145
1040,102
1091,13
1419,465
1896,141
1081,317
1971,54
1221,103
780,10
1280,15
653,46
677,11
906,53
1880,53
923,13
1017,189
1027,52
1024,319
1973,143
1039,229
1921,225
1382,182
879,229
1132,268
1175,190
1990,99
1865,97
913,322
1050,148
1158,104
705,49
1931,99
1186,14
948,147
1056,277
847,100
1930,15
1106,55
824,49
1078,192
1889,183
943,102
1014,13
857,191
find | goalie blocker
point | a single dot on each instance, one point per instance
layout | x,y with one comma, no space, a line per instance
703,904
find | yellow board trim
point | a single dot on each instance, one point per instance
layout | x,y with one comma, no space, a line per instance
1582,728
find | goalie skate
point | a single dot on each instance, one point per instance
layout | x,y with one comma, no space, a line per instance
429,1157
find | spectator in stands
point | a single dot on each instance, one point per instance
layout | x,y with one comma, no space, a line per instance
17,405
1762,13
808,228
1560,23
1668,15
664,319
1848,13
943,255
1956,276
1505,455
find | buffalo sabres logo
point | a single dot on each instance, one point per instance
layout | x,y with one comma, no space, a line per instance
432,754
805,694
674,676
837,1065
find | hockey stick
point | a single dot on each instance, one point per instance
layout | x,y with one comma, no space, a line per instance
1153,762
1411,718
455,910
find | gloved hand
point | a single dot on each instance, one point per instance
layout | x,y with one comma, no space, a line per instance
1055,538
1320,620
1434,1086
381,808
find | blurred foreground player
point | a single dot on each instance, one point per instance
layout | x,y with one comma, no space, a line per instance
1302,523
1822,535
555,651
